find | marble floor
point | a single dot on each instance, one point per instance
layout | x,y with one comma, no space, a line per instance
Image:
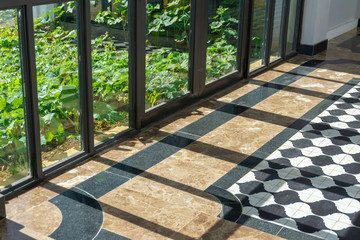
273,157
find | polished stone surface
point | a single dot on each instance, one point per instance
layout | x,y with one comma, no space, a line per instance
170,181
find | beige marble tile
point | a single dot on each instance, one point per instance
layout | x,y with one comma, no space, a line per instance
268,76
328,72
18,205
134,227
132,145
238,90
209,227
196,176
79,174
315,86
243,135
142,210
174,193
10,230
180,120
43,219
286,67
210,156
183,119
287,103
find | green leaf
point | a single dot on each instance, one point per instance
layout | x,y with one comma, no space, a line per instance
215,25
49,136
2,103
17,113
48,118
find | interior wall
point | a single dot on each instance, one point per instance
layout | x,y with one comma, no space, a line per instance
315,21
326,19
342,12
343,17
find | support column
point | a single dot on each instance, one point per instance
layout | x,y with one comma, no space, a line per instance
315,26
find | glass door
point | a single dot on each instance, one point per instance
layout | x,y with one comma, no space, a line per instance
57,67
276,41
167,51
222,43
258,41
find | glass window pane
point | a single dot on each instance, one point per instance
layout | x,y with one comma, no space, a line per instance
222,38
167,56
13,155
58,80
292,31
110,64
258,37
276,37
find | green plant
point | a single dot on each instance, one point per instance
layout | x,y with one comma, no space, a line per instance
221,25
112,18
58,79
175,19
256,50
13,157
221,50
166,75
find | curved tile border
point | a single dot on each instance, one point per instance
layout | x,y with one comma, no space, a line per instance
231,205
82,215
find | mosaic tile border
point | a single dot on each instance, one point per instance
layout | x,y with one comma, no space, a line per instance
311,183
251,162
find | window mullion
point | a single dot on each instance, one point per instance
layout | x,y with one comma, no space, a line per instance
198,35
28,62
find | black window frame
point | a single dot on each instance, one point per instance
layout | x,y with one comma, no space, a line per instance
138,116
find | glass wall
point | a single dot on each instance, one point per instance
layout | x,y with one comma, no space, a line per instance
276,36
258,37
292,27
110,67
224,20
13,155
56,54
165,28
167,51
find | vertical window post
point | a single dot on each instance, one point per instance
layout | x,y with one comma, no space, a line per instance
198,46
85,75
137,46
27,55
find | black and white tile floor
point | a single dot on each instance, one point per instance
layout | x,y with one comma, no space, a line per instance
312,182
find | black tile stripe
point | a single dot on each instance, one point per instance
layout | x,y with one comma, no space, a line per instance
73,225
82,216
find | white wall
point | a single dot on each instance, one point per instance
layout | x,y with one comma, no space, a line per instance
326,19
343,17
315,21
342,12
